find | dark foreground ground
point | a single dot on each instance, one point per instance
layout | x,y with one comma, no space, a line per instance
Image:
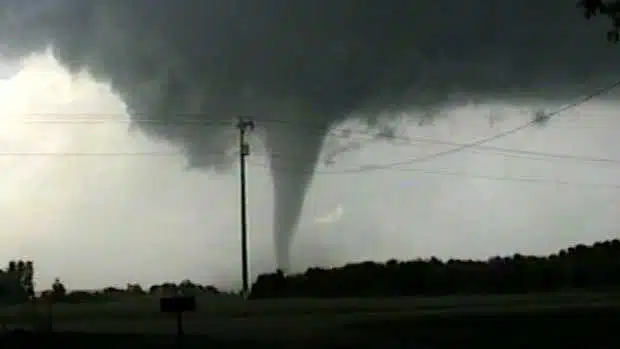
568,327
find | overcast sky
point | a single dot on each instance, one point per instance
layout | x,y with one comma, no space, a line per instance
105,220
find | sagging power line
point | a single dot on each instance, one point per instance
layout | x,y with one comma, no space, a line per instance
451,173
480,144
540,117
368,137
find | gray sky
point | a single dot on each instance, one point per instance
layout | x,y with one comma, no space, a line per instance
100,220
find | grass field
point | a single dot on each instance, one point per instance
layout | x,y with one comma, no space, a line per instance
293,317
231,306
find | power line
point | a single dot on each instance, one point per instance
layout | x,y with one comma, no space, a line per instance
462,174
88,117
84,119
469,146
524,155
502,150
88,154
540,118
480,144
410,140
360,169
515,153
114,116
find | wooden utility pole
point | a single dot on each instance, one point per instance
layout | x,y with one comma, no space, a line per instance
244,150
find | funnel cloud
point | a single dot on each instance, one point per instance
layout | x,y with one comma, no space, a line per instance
308,61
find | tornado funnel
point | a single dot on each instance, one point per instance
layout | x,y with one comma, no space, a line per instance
293,156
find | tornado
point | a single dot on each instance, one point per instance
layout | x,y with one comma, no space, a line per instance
187,69
294,155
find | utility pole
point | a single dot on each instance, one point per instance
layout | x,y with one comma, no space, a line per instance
244,150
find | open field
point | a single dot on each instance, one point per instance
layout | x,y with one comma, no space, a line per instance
570,327
221,316
231,306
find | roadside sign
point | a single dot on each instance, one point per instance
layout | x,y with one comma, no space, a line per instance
177,304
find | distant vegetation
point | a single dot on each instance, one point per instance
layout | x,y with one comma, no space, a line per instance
581,267
14,291
58,293
584,268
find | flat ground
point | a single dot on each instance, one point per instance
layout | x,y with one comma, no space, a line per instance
303,320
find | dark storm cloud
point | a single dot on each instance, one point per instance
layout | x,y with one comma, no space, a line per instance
311,60
332,56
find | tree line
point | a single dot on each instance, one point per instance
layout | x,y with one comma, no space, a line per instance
59,293
595,267
17,287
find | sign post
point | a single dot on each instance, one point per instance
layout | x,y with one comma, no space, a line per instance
178,305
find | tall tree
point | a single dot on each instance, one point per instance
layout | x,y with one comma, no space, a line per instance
28,280
16,283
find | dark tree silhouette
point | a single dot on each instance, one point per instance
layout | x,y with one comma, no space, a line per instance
28,279
186,287
135,289
59,291
16,282
595,267
610,9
